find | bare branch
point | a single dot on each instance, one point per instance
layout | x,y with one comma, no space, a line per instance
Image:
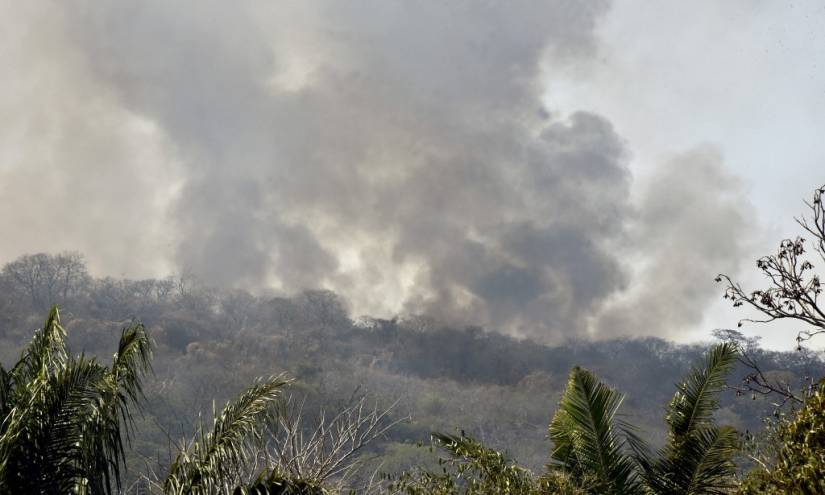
793,293
327,452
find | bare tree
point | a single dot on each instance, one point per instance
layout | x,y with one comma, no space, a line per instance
48,279
329,451
793,293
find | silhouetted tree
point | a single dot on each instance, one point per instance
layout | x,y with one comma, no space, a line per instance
793,293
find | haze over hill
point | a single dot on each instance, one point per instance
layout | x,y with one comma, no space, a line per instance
406,156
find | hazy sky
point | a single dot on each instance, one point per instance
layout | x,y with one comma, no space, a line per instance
551,169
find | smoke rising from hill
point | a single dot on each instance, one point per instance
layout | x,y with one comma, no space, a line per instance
395,152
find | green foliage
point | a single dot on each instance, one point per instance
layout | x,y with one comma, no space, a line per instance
469,469
585,437
595,452
212,341
591,443
698,458
799,464
65,419
696,399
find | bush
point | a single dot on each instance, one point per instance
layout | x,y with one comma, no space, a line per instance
799,464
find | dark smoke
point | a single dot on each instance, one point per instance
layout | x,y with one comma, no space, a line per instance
395,152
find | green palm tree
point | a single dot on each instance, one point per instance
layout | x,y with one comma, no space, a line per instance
591,442
698,457
65,419
588,439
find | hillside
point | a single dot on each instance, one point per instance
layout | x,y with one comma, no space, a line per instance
211,343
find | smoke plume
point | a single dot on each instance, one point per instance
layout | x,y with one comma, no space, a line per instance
395,152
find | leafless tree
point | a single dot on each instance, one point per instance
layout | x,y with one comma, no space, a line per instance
327,452
793,293
48,279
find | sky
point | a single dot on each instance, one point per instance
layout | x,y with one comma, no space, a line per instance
549,169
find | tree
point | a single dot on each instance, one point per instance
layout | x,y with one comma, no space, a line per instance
45,278
326,453
470,469
217,459
698,457
591,441
595,452
587,439
65,422
793,293
65,419
797,464
792,458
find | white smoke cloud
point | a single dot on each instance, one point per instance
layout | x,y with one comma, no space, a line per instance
694,221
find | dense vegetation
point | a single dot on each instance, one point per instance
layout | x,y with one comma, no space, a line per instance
65,421
595,451
72,423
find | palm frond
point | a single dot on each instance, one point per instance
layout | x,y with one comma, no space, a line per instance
78,438
698,456
46,444
133,360
27,389
697,396
641,453
62,425
215,458
45,352
129,365
701,465
585,438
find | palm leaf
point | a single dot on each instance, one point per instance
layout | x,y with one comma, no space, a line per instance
26,388
697,396
46,444
131,362
62,424
45,352
585,439
496,473
215,458
133,359
702,464
698,456
76,442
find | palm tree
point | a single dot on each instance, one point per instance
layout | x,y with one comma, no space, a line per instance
697,458
587,437
591,442
65,419
215,461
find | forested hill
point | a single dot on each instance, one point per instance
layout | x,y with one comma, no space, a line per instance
211,343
